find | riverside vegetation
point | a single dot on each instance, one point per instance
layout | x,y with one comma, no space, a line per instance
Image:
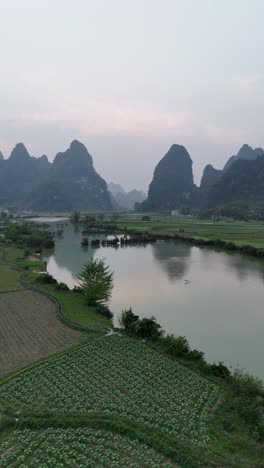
138,390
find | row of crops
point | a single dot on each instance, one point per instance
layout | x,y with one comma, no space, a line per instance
75,447
121,377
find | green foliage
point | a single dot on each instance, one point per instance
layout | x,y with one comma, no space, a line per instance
46,278
146,328
96,282
62,287
30,236
220,370
175,345
75,217
31,265
248,401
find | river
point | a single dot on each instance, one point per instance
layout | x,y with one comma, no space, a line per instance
215,299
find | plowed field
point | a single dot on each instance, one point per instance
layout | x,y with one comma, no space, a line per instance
30,330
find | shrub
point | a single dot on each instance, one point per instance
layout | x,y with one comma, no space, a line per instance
104,310
62,287
220,370
46,278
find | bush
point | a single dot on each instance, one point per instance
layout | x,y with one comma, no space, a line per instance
104,310
144,328
77,289
62,287
46,278
174,345
220,370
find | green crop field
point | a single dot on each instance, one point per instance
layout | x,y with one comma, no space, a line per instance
81,447
119,377
238,232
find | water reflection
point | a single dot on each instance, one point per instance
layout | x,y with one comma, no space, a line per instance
220,309
173,258
242,265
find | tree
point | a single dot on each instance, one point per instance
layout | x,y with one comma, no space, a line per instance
76,215
149,328
129,321
96,282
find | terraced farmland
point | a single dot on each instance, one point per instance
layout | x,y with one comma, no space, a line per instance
76,447
123,378
30,330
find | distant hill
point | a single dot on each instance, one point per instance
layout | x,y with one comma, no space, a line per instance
245,152
72,184
20,174
69,183
126,200
243,181
172,185
115,188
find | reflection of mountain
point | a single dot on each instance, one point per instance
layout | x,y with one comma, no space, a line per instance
68,252
243,266
173,258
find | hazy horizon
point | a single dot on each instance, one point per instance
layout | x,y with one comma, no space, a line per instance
130,78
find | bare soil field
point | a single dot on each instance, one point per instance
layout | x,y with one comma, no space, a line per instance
30,330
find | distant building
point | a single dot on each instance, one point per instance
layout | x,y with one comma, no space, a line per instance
176,213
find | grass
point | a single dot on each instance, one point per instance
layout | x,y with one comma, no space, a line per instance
239,232
73,305
9,279
13,253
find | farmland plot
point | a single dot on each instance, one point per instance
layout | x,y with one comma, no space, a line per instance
121,377
30,330
80,447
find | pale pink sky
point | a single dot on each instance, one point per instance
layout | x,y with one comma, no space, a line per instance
130,78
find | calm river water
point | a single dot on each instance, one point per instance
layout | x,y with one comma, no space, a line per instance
213,298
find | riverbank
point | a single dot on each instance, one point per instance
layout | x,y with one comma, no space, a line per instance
243,237
230,435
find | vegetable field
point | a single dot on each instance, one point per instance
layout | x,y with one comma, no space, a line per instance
118,377
80,447
30,330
